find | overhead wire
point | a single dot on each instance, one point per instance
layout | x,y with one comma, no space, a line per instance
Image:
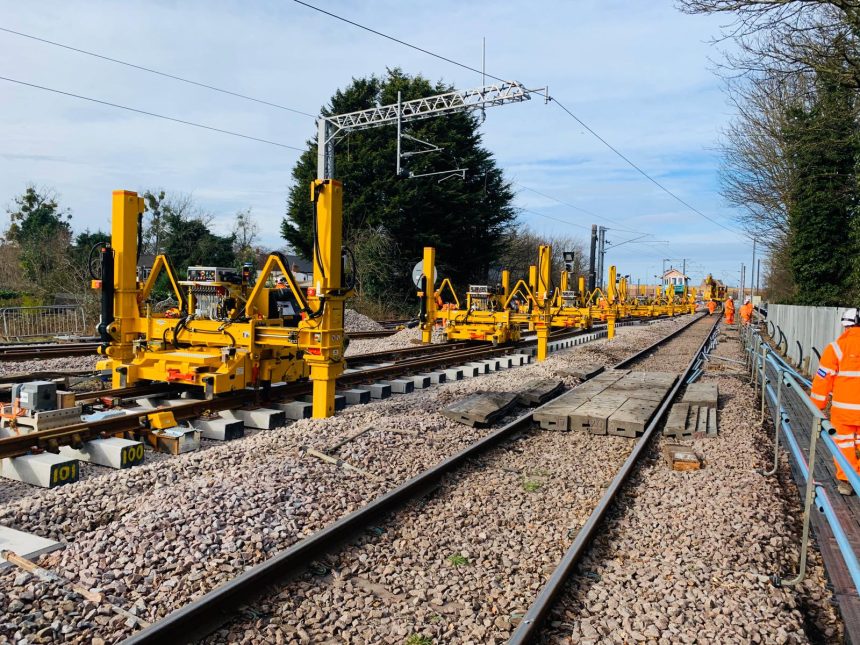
549,98
153,114
579,208
642,172
158,72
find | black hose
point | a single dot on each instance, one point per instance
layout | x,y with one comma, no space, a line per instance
353,274
316,233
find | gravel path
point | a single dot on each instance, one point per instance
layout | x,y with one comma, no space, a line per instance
461,565
157,536
687,556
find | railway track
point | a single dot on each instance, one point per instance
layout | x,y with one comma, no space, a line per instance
49,350
32,351
409,360
205,615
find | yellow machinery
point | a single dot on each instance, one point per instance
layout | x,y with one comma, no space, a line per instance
486,315
714,290
497,314
228,332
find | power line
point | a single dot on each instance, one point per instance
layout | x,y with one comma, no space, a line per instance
578,120
159,116
578,208
155,71
401,42
556,219
642,172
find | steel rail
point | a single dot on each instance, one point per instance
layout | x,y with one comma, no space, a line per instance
11,353
75,435
203,616
533,620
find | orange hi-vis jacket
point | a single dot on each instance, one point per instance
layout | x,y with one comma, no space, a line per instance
746,312
730,305
839,374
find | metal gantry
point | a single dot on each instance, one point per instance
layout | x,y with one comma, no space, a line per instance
329,127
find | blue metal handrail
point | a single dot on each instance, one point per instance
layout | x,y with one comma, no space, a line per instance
762,356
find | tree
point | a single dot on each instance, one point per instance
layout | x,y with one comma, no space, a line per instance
161,208
778,39
41,230
190,243
176,228
824,147
245,234
520,251
465,220
756,172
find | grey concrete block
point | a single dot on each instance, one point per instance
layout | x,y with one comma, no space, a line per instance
220,429
356,396
295,410
112,452
379,390
453,373
46,469
401,385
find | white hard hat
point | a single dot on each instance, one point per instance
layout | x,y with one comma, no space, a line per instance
849,318
746,300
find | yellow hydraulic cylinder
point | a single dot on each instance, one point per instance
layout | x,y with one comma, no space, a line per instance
506,284
429,294
325,355
610,324
533,289
544,267
542,340
611,294
564,278
127,208
582,290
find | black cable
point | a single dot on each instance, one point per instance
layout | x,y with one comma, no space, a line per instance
401,42
155,71
97,246
159,116
316,233
549,98
642,172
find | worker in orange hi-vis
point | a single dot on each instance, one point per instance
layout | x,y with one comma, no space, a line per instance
747,311
838,375
603,303
712,307
730,311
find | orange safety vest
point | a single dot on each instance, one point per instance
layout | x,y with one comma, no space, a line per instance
712,306
730,306
746,312
838,375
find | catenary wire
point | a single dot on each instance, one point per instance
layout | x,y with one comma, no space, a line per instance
155,71
617,152
154,114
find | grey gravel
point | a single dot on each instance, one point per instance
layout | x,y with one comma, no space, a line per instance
157,536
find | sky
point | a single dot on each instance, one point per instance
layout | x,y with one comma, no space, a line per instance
638,72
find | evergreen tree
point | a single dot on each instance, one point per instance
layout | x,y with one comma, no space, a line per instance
823,151
465,220
42,231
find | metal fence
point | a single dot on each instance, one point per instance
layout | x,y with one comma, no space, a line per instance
35,322
783,392
803,332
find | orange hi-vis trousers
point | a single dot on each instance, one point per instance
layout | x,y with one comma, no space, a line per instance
847,439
